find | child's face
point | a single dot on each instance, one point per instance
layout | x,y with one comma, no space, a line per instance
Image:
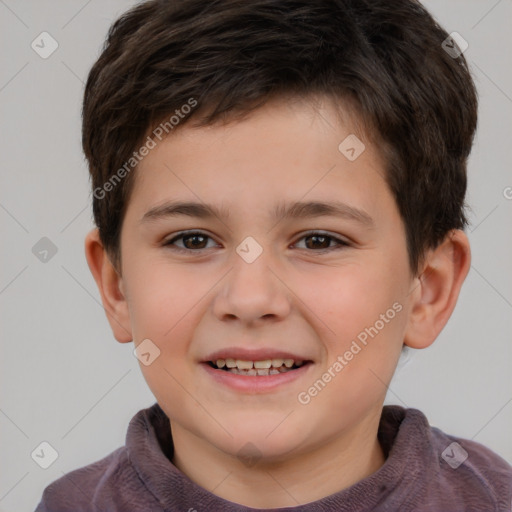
294,299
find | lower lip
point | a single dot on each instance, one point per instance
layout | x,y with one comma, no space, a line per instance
255,383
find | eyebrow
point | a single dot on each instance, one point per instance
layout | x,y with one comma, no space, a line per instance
296,210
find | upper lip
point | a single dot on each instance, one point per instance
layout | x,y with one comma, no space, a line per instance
261,354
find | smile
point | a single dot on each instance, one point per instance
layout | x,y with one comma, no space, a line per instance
258,376
256,368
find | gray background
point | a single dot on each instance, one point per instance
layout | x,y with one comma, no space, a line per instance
64,378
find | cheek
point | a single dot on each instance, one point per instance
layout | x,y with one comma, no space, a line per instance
162,310
162,296
362,307
353,298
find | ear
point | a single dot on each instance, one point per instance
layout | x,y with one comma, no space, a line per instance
436,290
110,285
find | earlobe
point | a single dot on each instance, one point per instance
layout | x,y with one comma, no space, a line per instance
110,285
436,290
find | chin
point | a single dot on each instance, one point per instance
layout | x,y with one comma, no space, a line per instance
263,441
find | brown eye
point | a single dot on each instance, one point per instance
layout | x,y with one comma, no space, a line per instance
318,242
197,241
322,242
194,241
191,241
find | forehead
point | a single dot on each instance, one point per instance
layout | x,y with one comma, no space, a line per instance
284,151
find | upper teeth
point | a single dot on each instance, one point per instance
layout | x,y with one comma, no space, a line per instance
247,365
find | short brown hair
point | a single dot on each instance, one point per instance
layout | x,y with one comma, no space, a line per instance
231,56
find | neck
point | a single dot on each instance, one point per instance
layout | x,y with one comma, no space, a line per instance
338,463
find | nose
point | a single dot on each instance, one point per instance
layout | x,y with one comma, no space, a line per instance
252,292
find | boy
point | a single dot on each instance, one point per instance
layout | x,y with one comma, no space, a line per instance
315,154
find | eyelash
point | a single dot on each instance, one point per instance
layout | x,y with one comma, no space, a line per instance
341,243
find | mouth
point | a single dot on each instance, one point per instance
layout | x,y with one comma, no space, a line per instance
261,368
256,371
